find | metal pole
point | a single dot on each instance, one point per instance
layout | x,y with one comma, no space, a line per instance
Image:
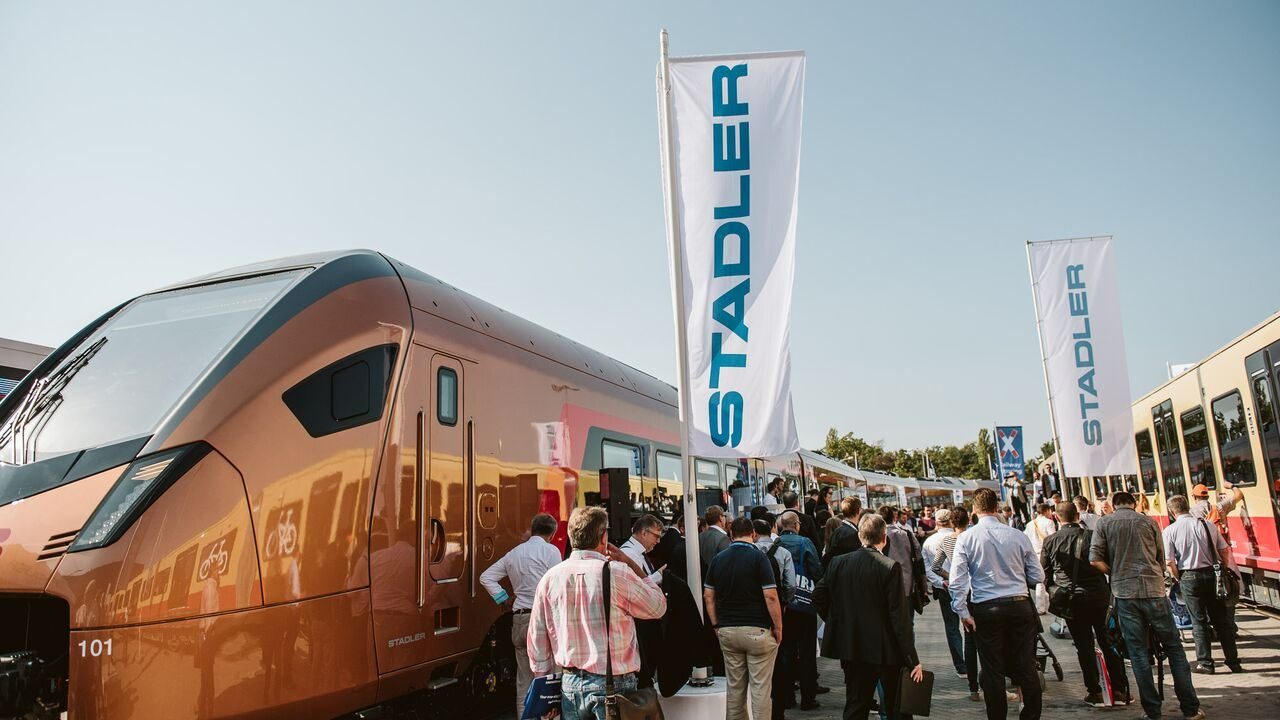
675,244
1044,367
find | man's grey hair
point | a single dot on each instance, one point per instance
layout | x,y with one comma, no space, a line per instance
871,529
543,525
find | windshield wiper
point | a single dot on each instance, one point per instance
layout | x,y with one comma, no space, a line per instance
44,395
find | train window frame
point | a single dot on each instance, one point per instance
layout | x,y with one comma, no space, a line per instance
1210,479
449,418
1218,444
1164,412
1153,486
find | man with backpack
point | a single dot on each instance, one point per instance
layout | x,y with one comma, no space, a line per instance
799,619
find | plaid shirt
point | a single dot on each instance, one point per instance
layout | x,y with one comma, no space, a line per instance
566,626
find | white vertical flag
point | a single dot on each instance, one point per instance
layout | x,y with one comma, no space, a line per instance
1077,302
735,151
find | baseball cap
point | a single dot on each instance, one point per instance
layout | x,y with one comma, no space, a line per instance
1199,491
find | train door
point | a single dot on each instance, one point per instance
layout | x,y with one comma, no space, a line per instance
1169,447
419,551
1264,382
447,510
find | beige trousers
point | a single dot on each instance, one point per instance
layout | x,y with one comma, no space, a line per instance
749,654
524,673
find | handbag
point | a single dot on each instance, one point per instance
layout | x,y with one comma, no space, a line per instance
1225,581
1060,602
919,584
627,704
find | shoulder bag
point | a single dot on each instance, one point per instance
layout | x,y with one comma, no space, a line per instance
628,704
1225,581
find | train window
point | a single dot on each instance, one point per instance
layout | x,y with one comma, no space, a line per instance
1100,490
1169,447
1146,461
1195,438
1231,430
1265,411
735,475
706,474
345,394
669,468
447,396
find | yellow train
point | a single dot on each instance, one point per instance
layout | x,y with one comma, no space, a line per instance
1213,424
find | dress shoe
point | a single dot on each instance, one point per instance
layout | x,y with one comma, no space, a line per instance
811,705
1236,667
1198,716
974,696
1202,669
821,689
1095,700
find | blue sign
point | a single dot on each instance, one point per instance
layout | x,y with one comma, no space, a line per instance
1009,452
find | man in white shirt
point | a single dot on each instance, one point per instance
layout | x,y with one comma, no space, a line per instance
1041,527
1088,517
523,568
645,534
951,621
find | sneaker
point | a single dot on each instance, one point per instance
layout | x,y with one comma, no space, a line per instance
1198,716
1095,700
974,696
1202,669
1236,667
1122,698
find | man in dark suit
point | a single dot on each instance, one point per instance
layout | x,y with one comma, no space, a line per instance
861,599
845,538
714,539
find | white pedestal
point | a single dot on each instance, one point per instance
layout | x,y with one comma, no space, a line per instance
697,703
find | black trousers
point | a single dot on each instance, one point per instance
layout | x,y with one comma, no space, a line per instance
799,653
649,640
971,659
1200,593
1088,624
860,681
1007,646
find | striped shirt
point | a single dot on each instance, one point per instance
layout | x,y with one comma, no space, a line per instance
566,625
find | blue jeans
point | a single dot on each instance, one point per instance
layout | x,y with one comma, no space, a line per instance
1148,619
582,694
955,640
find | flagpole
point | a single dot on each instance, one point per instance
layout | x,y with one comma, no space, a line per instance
693,559
1044,366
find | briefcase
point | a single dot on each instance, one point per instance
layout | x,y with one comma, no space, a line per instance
914,697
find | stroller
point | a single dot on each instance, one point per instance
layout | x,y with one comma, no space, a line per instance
1044,654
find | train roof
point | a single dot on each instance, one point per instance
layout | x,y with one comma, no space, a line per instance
436,297
1256,328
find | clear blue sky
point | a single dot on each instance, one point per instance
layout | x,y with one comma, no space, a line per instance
512,151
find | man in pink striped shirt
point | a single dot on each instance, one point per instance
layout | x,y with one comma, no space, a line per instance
567,626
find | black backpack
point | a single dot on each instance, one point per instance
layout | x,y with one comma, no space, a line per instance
784,592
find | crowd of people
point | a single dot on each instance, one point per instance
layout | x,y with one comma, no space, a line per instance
772,577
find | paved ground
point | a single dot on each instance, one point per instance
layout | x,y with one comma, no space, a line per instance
1254,695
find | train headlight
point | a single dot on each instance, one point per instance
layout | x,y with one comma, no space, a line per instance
144,481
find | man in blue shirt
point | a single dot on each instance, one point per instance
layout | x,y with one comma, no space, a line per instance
996,564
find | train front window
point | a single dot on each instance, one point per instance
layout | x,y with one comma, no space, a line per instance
124,377
1231,430
1195,438
1264,366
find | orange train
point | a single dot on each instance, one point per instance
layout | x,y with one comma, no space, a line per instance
270,492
